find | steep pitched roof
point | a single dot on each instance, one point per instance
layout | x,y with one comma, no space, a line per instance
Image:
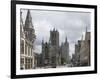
21,25
28,21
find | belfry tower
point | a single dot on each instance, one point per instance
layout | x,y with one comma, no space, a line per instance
28,37
29,28
54,38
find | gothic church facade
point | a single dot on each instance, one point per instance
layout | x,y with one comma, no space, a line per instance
52,53
27,38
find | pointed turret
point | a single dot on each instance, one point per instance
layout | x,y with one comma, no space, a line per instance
21,25
21,20
28,28
87,35
42,41
53,29
66,39
28,21
86,28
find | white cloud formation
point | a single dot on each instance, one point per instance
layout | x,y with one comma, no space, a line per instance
70,24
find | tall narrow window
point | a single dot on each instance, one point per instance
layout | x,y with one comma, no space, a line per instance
25,49
22,47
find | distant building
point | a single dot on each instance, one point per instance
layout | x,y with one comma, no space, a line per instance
73,60
65,58
27,39
82,51
54,48
45,54
52,53
85,51
77,53
38,60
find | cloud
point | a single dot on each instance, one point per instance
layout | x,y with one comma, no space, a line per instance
69,24
42,30
37,49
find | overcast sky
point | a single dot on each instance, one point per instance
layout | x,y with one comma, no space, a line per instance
69,24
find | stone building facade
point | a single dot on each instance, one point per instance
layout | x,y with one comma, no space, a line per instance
65,58
77,53
85,51
52,53
82,51
27,38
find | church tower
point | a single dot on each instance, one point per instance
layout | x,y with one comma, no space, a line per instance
27,42
54,49
29,28
54,38
87,35
65,52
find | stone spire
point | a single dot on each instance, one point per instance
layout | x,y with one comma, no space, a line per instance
28,21
53,29
87,35
21,20
66,39
42,41
21,25
28,28
86,29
